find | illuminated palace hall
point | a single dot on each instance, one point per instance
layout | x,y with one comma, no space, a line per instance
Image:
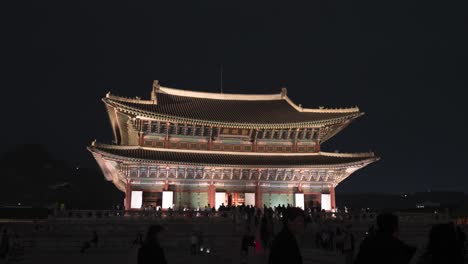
194,149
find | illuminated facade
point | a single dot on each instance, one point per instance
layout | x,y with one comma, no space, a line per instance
194,149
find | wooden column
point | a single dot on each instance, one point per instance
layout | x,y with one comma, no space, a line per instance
295,140
254,143
128,195
166,140
211,194
210,139
140,138
304,133
317,146
258,196
332,198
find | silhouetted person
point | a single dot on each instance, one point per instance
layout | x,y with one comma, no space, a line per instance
199,241
138,240
194,243
348,245
266,229
94,241
446,245
4,244
285,249
151,252
385,247
247,242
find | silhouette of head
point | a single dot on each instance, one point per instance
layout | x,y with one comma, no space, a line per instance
387,223
152,235
446,244
293,219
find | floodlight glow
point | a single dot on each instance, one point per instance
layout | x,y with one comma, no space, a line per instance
326,202
220,198
167,199
249,199
137,199
299,200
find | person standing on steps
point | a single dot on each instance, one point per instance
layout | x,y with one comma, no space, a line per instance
4,245
384,247
285,248
151,251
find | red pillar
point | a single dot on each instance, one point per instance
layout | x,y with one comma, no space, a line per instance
211,194
166,139
317,146
332,198
140,138
128,196
295,148
210,139
258,196
254,142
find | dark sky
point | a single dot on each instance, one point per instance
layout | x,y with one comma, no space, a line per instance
404,63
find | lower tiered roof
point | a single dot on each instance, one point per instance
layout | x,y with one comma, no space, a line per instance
200,157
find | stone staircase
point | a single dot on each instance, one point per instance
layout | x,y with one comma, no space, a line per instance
64,239
60,240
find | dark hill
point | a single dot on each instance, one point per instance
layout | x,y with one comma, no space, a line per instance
31,176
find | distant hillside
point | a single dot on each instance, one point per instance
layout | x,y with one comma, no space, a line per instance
30,176
380,201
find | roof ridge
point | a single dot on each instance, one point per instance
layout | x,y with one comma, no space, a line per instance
321,109
230,96
219,96
137,99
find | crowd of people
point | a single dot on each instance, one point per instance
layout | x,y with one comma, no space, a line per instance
280,232
381,244
11,246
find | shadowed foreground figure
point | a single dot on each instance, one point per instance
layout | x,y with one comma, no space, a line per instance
384,247
4,244
93,242
285,249
446,245
151,251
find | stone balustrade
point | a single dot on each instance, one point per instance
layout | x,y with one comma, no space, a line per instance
366,217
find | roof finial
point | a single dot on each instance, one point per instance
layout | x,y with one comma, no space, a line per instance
284,92
221,80
154,91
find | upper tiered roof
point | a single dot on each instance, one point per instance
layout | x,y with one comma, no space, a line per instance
236,110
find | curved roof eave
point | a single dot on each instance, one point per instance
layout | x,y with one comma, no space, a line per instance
367,158
151,115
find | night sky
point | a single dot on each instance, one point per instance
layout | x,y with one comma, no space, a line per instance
404,63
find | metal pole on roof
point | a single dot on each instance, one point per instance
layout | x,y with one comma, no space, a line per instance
221,81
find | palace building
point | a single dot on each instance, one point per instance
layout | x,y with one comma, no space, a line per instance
194,149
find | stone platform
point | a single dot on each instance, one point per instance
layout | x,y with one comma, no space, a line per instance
60,240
